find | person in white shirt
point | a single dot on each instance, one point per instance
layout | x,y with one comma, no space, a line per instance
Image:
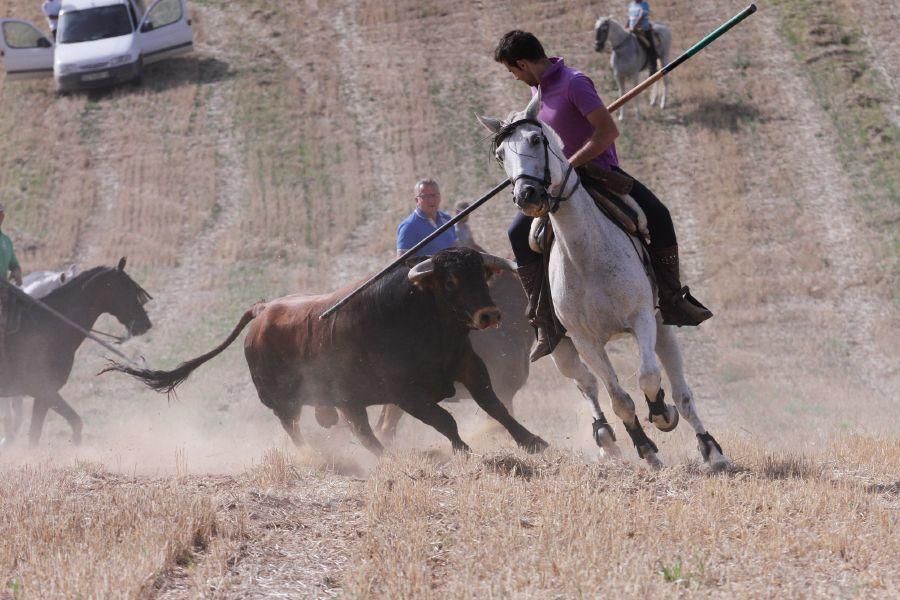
51,11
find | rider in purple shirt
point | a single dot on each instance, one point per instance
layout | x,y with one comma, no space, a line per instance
572,108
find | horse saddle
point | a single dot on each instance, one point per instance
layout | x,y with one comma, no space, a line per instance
617,205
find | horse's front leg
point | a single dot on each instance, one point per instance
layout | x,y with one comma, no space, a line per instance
664,416
595,356
620,81
670,354
567,361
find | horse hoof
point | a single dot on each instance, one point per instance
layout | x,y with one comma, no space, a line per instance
667,422
536,445
653,461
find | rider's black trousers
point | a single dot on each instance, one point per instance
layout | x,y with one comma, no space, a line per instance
659,222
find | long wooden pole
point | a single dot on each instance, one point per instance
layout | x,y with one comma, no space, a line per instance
461,215
503,184
641,87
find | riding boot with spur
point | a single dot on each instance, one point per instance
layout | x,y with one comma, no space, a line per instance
676,304
540,309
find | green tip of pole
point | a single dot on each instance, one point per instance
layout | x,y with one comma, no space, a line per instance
751,9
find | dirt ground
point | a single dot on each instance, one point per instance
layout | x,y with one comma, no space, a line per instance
280,156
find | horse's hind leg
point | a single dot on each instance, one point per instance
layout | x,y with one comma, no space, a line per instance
566,358
65,410
663,416
623,405
670,354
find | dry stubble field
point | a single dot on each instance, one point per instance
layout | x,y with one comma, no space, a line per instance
279,157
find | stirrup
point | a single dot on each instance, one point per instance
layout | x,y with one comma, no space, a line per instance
684,310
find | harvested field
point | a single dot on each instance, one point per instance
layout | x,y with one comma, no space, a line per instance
281,155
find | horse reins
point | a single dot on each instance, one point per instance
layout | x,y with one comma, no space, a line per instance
546,180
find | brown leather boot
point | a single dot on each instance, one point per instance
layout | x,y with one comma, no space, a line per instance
676,304
540,309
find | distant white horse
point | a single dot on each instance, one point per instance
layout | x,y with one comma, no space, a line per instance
40,283
598,282
37,285
629,58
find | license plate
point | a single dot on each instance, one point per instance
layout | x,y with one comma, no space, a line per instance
95,76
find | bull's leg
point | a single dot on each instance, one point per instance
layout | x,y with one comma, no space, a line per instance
566,358
670,355
290,420
437,416
358,419
388,421
474,375
64,409
623,405
664,416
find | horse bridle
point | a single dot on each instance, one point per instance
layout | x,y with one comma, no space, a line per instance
545,181
605,28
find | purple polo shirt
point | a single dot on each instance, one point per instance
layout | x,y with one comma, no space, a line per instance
567,96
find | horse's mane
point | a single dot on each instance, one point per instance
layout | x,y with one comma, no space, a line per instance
81,280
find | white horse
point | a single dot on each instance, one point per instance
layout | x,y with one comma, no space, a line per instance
40,283
598,282
37,285
629,58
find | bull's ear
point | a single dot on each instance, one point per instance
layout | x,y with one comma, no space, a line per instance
490,123
122,261
420,274
534,107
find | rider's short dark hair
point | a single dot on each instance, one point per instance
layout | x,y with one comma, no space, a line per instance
518,45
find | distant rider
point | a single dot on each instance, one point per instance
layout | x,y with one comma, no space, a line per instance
9,265
424,221
639,25
571,106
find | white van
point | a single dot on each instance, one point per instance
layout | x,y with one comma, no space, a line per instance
98,42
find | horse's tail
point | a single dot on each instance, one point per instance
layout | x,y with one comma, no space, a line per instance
167,381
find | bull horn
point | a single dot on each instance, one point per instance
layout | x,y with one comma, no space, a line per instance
495,263
421,271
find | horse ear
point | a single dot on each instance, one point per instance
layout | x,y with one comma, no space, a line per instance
534,107
490,123
121,266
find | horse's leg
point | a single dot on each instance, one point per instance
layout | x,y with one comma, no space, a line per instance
623,405
388,421
569,363
38,414
670,354
620,81
437,416
18,416
665,417
358,419
65,410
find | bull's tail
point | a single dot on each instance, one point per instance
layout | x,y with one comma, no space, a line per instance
167,381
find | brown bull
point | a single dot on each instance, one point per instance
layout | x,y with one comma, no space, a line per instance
404,340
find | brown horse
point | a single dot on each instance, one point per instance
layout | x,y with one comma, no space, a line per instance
42,348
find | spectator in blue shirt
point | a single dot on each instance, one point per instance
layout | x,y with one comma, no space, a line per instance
424,220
